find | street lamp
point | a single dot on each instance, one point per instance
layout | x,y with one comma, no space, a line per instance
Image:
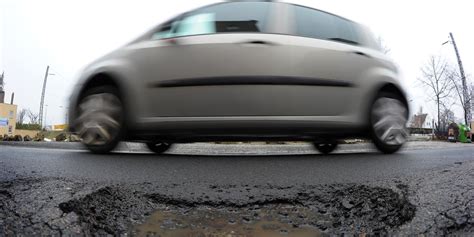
43,92
466,105
45,117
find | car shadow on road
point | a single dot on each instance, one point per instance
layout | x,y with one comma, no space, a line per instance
335,156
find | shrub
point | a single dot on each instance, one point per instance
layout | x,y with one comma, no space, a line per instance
61,137
28,126
18,138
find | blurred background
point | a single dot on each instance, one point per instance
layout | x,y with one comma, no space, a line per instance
67,35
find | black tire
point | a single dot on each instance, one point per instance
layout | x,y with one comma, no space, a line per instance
325,148
380,144
158,147
118,132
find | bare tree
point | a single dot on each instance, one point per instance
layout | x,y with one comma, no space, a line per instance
436,80
456,80
21,116
447,117
33,117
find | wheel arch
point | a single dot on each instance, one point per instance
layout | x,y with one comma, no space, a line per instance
394,89
101,79
98,79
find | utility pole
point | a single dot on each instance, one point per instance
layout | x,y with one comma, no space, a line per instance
467,100
46,116
2,87
2,84
42,97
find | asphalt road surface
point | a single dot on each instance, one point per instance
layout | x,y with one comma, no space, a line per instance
237,190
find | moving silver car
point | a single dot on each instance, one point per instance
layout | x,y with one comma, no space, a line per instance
243,71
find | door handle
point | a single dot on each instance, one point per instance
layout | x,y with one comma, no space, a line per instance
258,42
361,54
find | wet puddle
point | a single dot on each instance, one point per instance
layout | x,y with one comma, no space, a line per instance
279,220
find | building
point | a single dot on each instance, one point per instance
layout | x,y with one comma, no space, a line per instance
421,120
421,123
7,119
7,113
418,121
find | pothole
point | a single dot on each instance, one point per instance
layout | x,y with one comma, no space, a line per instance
109,210
355,209
352,209
277,220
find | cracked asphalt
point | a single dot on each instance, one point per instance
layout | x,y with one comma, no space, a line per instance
237,190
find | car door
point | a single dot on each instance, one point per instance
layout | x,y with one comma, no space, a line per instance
326,49
214,62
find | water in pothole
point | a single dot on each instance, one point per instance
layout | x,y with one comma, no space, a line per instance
276,220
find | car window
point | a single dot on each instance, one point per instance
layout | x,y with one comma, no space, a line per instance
166,30
314,24
346,30
321,25
197,24
219,18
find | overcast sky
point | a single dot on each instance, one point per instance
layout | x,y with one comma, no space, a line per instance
67,35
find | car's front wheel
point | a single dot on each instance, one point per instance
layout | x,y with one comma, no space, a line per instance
100,121
158,147
388,122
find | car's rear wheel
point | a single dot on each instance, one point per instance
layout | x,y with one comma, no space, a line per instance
100,121
326,148
158,147
388,122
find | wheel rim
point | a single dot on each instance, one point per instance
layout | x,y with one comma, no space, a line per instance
389,119
99,119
